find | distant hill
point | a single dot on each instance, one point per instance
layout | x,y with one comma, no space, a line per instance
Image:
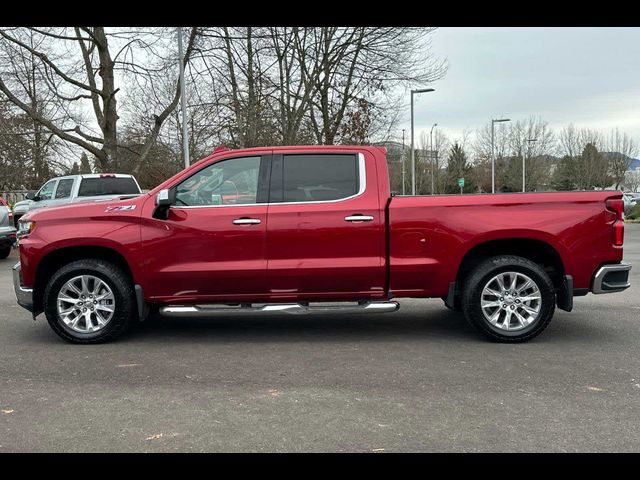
633,164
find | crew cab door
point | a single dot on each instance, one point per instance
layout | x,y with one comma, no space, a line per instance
44,196
63,191
212,244
325,234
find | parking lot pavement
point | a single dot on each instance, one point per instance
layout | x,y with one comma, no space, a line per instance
420,379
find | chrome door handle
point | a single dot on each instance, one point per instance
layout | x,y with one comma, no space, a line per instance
358,218
246,221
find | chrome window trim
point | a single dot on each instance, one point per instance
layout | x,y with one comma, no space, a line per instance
362,176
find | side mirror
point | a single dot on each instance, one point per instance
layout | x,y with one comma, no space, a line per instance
164,199
30,195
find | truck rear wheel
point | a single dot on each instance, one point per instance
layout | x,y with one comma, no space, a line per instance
89,301
509,299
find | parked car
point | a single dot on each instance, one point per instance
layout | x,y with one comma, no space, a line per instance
7,231
77,188
315,229
629,202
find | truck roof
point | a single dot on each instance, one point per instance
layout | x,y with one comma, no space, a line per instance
95,175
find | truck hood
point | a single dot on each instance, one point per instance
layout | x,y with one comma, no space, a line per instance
97,209
23,203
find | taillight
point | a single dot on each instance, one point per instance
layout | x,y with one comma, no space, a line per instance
617,206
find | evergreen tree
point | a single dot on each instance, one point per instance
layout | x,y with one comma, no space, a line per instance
594,168
458,167
564,177
74,170
85,167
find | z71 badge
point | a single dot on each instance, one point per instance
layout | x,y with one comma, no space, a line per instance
120,208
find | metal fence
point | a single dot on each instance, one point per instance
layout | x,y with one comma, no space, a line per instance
14,196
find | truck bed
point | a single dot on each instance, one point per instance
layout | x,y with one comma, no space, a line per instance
431,235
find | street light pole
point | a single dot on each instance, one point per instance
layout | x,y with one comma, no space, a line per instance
183,105
527,142
403,161
493,162
413,160
431,154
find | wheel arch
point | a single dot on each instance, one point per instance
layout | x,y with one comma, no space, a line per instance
536,250
55,259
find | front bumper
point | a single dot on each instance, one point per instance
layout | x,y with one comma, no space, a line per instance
610,278
7,236
24,296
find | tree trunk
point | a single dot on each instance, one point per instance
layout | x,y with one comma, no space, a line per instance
108,95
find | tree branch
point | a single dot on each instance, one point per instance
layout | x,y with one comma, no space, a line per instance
43,121
159,119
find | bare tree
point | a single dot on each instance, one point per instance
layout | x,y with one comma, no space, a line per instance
622,149
501,152
533,139
315,85
80,70
632,180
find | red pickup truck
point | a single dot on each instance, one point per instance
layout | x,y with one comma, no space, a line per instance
315,229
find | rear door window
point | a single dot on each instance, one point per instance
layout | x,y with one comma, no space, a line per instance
319,177
64,188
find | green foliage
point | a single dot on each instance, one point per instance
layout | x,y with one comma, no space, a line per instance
564,177
510,174
74,170
634,214
458,167
593,170
85,167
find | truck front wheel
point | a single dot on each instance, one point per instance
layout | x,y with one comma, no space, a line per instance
509,299
89,301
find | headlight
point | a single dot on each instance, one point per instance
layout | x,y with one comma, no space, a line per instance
26,227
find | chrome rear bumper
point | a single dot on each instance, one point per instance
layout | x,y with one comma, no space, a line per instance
611,278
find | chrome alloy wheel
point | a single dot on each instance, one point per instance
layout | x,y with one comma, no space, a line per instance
86,304
511,301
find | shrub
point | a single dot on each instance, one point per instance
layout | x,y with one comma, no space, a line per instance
634,214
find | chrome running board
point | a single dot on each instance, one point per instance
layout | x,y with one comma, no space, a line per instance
292,308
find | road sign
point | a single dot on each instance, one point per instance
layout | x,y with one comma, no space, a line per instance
461,182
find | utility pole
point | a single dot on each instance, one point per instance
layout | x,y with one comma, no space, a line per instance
403,161
183,105
413,160
493,162
527,143
431,155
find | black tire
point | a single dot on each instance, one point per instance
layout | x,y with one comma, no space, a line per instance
4,252
118,281
483,273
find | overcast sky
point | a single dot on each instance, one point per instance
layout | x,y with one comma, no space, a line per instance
587,76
